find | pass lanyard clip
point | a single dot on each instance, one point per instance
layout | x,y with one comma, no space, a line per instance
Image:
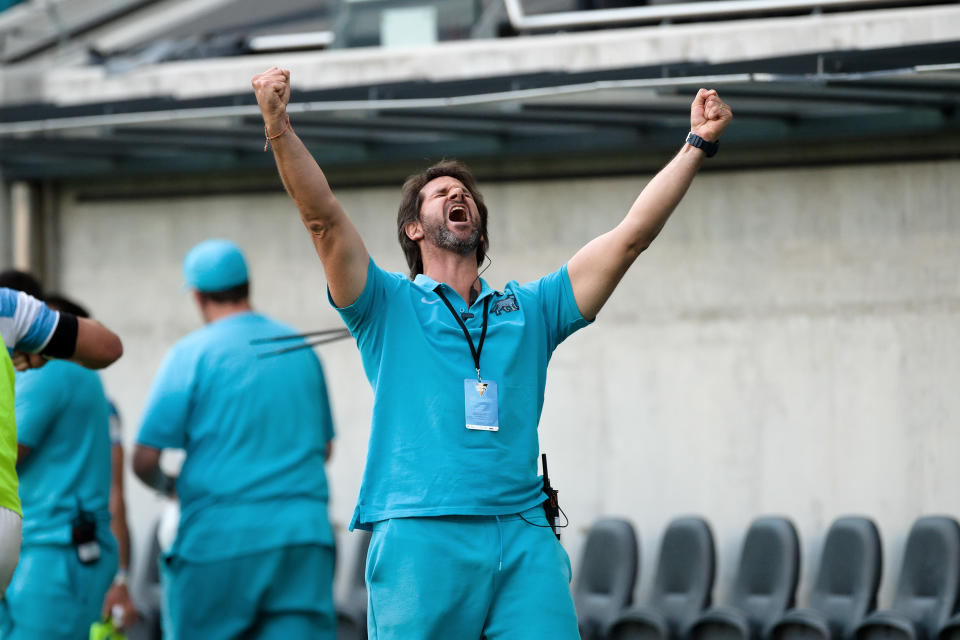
474,350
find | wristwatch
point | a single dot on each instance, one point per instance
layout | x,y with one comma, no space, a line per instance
710,148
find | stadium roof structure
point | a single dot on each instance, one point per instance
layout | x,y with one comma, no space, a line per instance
867,104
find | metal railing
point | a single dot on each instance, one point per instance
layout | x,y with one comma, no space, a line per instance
673,11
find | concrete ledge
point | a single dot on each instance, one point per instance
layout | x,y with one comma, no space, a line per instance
710,42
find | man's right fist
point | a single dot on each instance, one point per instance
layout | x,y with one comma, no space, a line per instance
272,88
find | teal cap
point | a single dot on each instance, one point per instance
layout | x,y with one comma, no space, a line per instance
215,265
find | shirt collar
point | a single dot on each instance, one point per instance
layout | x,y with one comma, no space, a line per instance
427,283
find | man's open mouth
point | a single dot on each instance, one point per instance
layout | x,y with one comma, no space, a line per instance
458,213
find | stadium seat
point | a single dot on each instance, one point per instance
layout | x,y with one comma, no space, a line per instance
682,585
764,587
845,587
606,576
352,611
927,589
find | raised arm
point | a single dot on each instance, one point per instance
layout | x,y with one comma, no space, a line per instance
118,595
40,333
337,241
97,346
597,268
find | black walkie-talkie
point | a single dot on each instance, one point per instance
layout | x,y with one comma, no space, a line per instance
83,533
551,506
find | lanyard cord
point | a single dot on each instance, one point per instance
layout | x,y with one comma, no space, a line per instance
474,350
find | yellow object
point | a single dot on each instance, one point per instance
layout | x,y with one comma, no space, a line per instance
9,498
105,631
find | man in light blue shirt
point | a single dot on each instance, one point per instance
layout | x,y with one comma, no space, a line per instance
460,548
253,556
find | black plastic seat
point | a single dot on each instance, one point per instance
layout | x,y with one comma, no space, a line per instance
845,589
352,611
606,576
764,588
927,589
682,585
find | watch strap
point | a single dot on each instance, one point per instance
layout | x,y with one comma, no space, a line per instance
709,148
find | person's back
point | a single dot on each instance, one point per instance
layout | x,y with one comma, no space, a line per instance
63,417
252,487
253,437
63,435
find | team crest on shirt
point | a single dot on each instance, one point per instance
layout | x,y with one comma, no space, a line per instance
505,305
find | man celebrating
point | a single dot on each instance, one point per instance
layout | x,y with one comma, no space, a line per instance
253,556
460,547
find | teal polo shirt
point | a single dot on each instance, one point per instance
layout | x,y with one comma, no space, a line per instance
63,416
422,460
255,432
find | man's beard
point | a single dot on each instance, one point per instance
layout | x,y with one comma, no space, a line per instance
445,239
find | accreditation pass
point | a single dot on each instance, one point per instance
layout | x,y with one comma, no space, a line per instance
481,402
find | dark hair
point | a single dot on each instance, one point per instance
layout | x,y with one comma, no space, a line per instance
412,200
238,293
59,302
21,281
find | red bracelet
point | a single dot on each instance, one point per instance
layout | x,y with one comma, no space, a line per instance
266,134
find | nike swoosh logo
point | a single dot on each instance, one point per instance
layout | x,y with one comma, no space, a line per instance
425,301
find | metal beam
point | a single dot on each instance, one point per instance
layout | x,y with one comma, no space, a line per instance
521,22
203,113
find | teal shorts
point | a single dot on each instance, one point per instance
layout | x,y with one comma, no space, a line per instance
53,596
467,577
277,594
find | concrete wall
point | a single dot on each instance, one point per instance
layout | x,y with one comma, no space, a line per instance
788,345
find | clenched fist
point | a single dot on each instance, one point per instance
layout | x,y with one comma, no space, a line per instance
709,115
272,88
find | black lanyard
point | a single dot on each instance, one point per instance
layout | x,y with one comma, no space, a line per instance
475,351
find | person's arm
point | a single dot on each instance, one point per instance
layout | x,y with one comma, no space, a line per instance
597,268
164,424
336,239
80,340
146,466
97,346
118,595
118,507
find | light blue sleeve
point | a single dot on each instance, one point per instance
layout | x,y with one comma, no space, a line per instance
168,404
26,323
558,307
365,318
39,400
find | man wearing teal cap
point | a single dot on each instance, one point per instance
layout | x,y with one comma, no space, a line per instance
253,556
